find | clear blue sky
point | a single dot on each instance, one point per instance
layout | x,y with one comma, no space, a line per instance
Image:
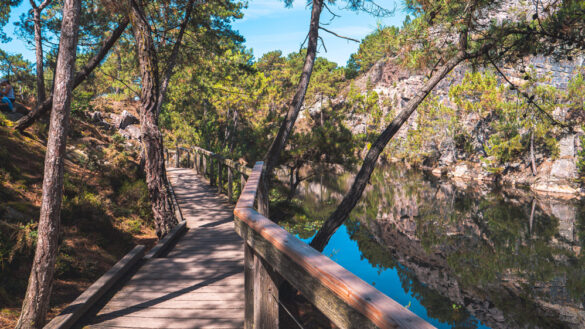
267,25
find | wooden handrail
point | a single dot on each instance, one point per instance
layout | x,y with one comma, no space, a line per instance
345,299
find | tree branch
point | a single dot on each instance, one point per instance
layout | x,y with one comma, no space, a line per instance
173,58
337,35
529,99
80,76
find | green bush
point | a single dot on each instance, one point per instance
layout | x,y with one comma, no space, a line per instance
133,199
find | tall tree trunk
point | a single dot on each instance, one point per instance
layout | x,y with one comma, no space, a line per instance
152,142
36,301
41,95
353,195
80,76
273,154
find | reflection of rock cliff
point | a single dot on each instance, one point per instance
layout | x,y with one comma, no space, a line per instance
510,268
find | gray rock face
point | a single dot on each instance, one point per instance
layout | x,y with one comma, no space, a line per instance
96,116
127,119
447,158
131,132
564,169
567,146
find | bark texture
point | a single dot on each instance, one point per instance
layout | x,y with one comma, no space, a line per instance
355,192
273,154
36,301
80,76
152,142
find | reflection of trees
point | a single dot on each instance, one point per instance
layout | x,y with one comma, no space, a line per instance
501,254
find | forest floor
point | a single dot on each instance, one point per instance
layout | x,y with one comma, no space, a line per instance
105,209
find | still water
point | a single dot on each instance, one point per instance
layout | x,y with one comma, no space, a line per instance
457,255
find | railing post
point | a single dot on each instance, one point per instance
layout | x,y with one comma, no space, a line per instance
196,161
204,161
248,287
230,183
219,176
266,295
177,156
199,163
242,181
211,173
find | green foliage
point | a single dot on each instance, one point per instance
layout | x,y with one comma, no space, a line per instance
377,45
133,199
19,71
581,159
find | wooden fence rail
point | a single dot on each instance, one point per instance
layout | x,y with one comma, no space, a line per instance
218,169
274,256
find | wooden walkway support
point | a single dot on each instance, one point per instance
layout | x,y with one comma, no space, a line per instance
200,283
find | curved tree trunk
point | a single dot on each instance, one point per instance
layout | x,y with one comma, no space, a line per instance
36,301
273,154
152,142
355,192
80,76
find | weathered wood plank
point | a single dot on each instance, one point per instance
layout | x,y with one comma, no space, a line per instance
170,323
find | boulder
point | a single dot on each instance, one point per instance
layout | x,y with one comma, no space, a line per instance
127,119
131,132
460,171
567,146
564,169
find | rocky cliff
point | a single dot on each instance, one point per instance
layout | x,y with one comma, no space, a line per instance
556,173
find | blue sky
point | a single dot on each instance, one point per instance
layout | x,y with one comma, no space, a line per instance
268,25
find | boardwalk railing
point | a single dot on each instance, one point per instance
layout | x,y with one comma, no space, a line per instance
273,256
212,166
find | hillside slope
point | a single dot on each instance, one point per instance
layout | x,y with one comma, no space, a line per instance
105,209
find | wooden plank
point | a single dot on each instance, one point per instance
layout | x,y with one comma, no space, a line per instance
75,310
164,244
186,313
181,304
233,281
172,322
203,289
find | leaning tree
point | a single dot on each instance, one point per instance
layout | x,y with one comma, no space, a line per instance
464,31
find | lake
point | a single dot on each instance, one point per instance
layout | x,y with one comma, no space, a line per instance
459,255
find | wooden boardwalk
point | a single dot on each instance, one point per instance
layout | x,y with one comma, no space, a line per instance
200,284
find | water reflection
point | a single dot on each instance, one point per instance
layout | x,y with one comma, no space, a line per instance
472,256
